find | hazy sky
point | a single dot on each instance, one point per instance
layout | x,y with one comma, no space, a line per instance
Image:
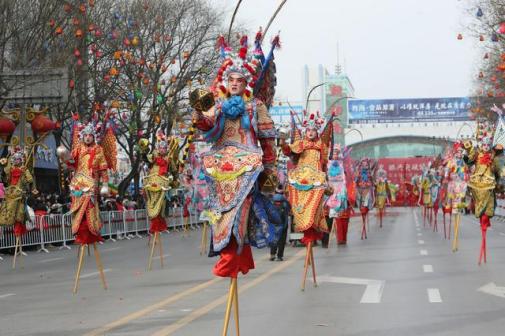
392,48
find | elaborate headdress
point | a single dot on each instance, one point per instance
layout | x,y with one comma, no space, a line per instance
381,174
485,132
312,120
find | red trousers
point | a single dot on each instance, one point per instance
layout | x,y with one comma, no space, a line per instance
230,263
158,224
84,236
19,229
342,226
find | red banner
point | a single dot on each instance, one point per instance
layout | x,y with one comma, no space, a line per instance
400,172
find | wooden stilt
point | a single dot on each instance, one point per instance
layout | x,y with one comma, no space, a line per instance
153,243
307,263
332,233
483,253
235,304
445,229
313,266
456,231
450,224
203,243
79,267
100,266
16,250
231,294
89,252
161,250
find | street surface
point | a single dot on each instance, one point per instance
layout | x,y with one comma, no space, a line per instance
402,280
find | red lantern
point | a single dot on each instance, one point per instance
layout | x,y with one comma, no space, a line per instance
59,30
82,8
91,3
77,53
493,78
79,62
67,8
106,77
75,21
71,84
78,33
146,81
7,127
52,23
126,41
486,56
481,75
114,72
91,27
481,38
501,29
42,124
98,33
460,36
501,66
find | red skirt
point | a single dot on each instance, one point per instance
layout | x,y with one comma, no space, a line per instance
84,236
230,263
363,210
158,224
19,229
311,235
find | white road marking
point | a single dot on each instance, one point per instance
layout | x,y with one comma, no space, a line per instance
428,268
89,275
111,249
51,259
164,256
419,234
434,295
420,242
6,295
418,229
502,234
423,252
373,290
492,289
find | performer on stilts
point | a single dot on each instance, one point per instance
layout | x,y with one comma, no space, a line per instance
483,180
307,182
93,153
12,209
435,196
457,188
341,200
365,197
242,134
382,193
426,195
162,163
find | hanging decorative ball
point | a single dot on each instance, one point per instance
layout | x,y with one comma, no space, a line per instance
138,94
460,36
146,81
67,7
151,66
159,99
486,56
493,78
52,22
117,55
142,62
481,38
157,119
167,38
78,33
157,38
82,8
114,72
135,41
115,104
98,54
59,30
501,29
164,68
173,79
77,53
501,66
494,37
98,33
490,94
91,3
75,21
106,77
91,27
126,41
185,54
71,84
481,75
114,34
79,62
479,12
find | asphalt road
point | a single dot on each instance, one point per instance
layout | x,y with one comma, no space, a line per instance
403,280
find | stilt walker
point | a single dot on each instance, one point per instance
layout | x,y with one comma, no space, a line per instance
162,163
339,203
383,193
12,209
93,152
307,182
483,179
241,159
457,172
436,179
365,196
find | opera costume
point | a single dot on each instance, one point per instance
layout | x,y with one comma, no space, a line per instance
238,125
457,176
162,163
307,181
339,202
93,153
18,182
383,192
484,178
365,195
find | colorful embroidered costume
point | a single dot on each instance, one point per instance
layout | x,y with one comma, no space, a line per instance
12,209
242,134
